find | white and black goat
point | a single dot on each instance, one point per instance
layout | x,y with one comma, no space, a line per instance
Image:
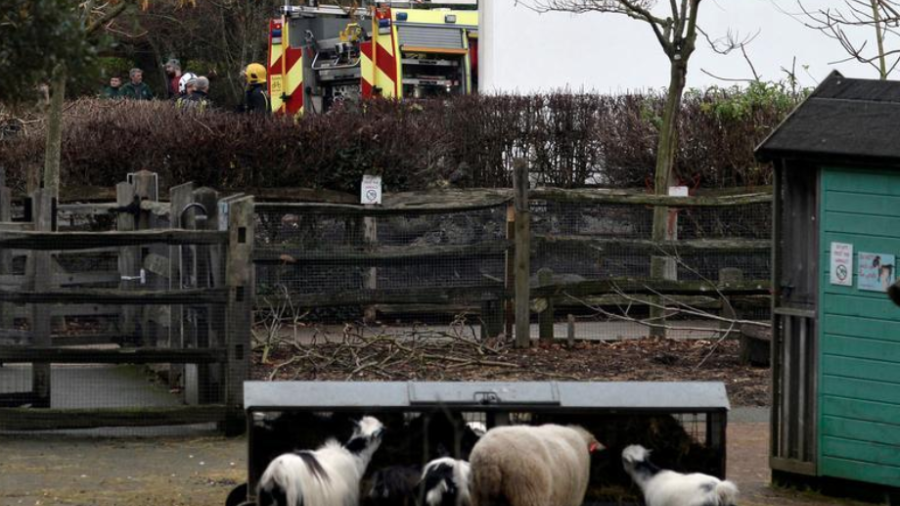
445,482
328,476
662,487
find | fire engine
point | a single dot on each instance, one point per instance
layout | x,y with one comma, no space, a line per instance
322,54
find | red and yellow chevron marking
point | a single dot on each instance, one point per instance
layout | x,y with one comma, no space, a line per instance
285,72
367,69
387,64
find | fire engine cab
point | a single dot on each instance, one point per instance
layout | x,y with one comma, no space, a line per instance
322,54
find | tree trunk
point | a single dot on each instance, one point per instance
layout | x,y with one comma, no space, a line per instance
52,154
879,38
665,164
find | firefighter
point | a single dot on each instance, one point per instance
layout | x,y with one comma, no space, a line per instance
198,98
255,99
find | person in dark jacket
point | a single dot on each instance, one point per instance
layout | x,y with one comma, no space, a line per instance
114,90
198,99
137,89
256,100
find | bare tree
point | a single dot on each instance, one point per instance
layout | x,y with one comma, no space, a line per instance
676,31
849,23
94,16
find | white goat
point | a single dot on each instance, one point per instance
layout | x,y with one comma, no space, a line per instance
532,466
445,482
328,476
667,488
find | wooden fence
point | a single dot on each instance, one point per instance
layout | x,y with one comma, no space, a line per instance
182,291
147,297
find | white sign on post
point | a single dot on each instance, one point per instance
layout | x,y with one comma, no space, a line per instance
841,264
679,191
370,192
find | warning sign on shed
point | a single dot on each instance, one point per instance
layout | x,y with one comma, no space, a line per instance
370,192
841,264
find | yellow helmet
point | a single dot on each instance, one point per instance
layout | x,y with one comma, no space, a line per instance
256,74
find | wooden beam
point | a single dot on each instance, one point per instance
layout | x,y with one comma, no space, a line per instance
648,247
651,287
380,256
28,419
239,278
449,295
593,196
409,203
58,355
59,241
113,296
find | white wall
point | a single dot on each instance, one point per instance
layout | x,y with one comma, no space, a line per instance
610,53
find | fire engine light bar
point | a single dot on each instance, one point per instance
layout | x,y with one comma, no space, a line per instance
402,16
276,33
384,23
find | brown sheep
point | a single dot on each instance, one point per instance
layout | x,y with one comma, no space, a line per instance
532,466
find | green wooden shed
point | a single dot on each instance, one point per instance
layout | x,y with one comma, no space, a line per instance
836,334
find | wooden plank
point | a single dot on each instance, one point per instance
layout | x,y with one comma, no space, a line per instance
112,296
58,355
408,203
16,227
509,277
856,409
878,226
857,347
370,275
593,196
378,256
6,320
793,466
600,245
853,469
868,450
241,286
888,434
79,241
26,419
650,287
887,370
522,254
775,386
61,279
868,389
797,313
863,204
209,319
862,307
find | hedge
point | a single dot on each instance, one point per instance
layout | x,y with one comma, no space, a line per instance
570,140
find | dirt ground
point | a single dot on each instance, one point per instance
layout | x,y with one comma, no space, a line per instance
177,471
383,359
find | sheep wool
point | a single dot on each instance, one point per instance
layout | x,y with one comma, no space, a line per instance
328,476
445,482
531,466
662,487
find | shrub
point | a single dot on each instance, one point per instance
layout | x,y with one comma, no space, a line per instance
569,139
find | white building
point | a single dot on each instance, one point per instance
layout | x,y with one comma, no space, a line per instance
524,51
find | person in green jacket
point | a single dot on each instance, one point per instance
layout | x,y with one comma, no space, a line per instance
114,90
137,89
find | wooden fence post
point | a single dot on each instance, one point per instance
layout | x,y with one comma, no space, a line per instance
40,271
6,310
545,317
180,197
239,277
523,254
510,278
665,228
207,260
729,275
128,258
370,277
146,189
570,331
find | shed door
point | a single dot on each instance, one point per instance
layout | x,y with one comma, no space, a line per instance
859,373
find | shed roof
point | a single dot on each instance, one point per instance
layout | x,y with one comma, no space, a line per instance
843,120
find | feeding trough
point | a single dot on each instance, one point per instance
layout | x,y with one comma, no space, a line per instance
684,422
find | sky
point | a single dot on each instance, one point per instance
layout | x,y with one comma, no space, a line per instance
610,53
